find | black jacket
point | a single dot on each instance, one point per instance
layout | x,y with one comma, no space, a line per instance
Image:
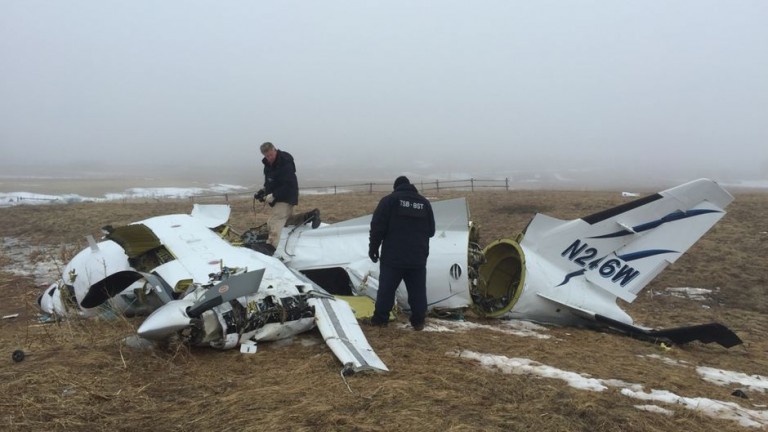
403,222
280,179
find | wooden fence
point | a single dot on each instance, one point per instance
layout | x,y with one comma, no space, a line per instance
431,186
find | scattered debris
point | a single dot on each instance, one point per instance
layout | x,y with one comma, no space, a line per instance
248,347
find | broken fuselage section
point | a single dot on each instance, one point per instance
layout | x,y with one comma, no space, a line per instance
556,271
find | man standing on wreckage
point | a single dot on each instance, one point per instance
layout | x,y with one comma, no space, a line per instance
281,192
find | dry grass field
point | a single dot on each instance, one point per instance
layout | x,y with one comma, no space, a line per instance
80,376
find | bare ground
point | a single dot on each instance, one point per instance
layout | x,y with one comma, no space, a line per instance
80,375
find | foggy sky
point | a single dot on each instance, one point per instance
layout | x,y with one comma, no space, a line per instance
430,86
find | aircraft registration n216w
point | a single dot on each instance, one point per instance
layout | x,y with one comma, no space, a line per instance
192,282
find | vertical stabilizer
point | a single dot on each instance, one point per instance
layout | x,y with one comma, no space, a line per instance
623,248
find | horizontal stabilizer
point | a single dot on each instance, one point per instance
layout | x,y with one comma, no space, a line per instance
704,333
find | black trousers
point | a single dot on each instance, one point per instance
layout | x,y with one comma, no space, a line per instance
416,285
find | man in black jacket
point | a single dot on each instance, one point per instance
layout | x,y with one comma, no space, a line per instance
402,224
281,189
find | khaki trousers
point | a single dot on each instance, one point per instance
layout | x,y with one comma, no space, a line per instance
280,213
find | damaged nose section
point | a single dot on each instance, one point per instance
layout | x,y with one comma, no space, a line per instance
166,321
179,314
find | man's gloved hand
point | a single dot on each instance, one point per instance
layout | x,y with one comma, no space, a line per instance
269,199
373,254
259,195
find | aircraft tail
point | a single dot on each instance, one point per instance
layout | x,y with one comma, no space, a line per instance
620,250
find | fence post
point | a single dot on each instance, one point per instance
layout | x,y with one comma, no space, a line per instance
472,184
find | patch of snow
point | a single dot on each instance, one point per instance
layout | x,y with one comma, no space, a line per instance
667,360
43,267
512,327
22,198
699,294
654,408
713,408
724,377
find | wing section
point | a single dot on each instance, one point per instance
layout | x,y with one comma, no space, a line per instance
341,331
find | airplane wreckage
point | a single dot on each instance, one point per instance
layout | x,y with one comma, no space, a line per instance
192,282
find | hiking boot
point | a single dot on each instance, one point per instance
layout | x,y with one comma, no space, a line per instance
315,218
369,322
418,327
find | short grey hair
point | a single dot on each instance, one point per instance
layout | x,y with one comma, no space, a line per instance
267,146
